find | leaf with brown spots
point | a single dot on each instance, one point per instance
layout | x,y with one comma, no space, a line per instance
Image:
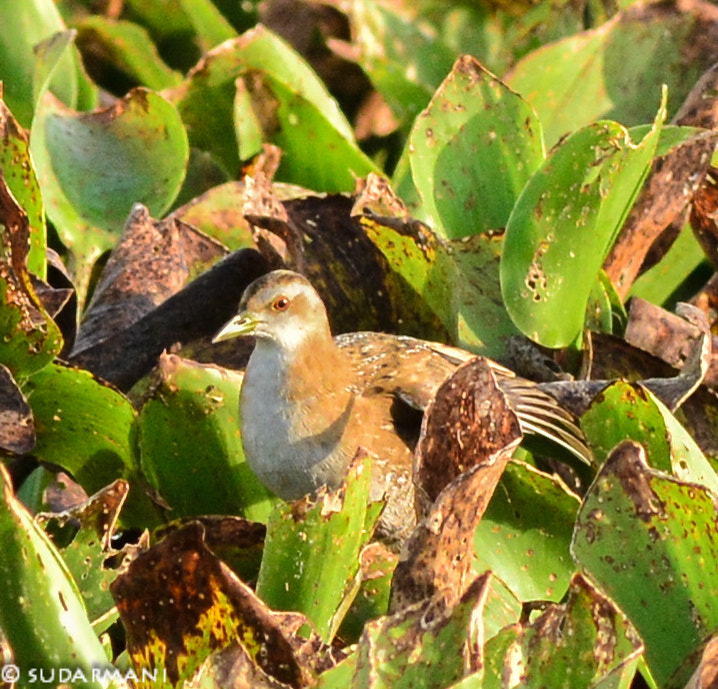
179,602
651,543
581,642
468,436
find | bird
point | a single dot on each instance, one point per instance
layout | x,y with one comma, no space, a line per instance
309,401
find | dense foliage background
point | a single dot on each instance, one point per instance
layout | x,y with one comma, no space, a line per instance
479,173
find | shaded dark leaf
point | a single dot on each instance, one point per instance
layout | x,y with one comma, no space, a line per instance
671,184
17,432
151,261
198,310
179,603
456,438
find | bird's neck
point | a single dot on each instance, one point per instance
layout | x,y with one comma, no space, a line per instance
316,377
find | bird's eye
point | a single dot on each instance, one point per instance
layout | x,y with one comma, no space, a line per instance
280,304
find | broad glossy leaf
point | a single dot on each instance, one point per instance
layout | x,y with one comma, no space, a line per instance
134,151
457,280
87,428
311,552
564,223
472,151
650,541
614,71
209,24
190,443
525,533
406,62
42,616
206,99
128,48
659,282
179,602
585,641
219,213
624,411
90,548
418,646
23,26
285,117
29,338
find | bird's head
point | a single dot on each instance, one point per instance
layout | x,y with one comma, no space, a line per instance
281,307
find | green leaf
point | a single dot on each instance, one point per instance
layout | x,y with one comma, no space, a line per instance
650,541
472,151
457,280
416,647
659,282
87,428
624,411
29,339
127,47
311,552
23,26
564,224
135,151
89,550
525,533
42,615
19,174
190,443
583,642
211,106
612,72
404,61
300,128
209,24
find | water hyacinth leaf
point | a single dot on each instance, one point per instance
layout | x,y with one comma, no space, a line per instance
219,213
567,80
585,641
458,281
613,71
190,444
210,26
299,127
128,48
649,541
405,62
90,548
19,175
42,614
417,646
628,411
662,280
134,151
311,551
473,150
172,628
30,339
24,26
564,223
87,428
206,99
525,533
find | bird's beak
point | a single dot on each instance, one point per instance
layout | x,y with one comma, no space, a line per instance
243,323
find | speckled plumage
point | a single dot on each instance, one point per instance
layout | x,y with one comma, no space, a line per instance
309,401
